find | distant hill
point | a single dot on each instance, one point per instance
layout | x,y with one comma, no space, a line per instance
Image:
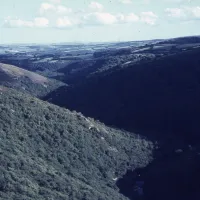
47,152
24,80
182,40
161,95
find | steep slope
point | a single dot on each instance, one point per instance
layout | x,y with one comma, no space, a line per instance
23,80
47,152
159,96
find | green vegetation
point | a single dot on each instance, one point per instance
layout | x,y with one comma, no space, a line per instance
50,153
25,85
27,81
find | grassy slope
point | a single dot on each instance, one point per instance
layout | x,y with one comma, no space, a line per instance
24,80
47,152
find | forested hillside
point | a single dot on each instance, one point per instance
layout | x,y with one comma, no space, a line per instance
51,153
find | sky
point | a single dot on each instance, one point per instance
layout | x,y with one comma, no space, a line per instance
56,21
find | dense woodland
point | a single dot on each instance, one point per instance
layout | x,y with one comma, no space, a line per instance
51,153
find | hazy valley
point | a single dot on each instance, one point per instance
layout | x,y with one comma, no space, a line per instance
79,121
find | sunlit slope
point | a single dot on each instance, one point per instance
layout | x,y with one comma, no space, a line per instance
24,80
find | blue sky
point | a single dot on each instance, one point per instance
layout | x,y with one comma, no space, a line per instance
47,21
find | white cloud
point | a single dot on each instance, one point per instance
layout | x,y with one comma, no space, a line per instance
59,16
120,17
47,8
44,7
64,22
125,1
148,17
84,19
67,22
184,13
98,18
14,23
175,12
63,10
95,6
194,12
129,18
39,22
104,18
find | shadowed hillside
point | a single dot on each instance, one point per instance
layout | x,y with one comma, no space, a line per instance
47,152
23,80
160,96
174,175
